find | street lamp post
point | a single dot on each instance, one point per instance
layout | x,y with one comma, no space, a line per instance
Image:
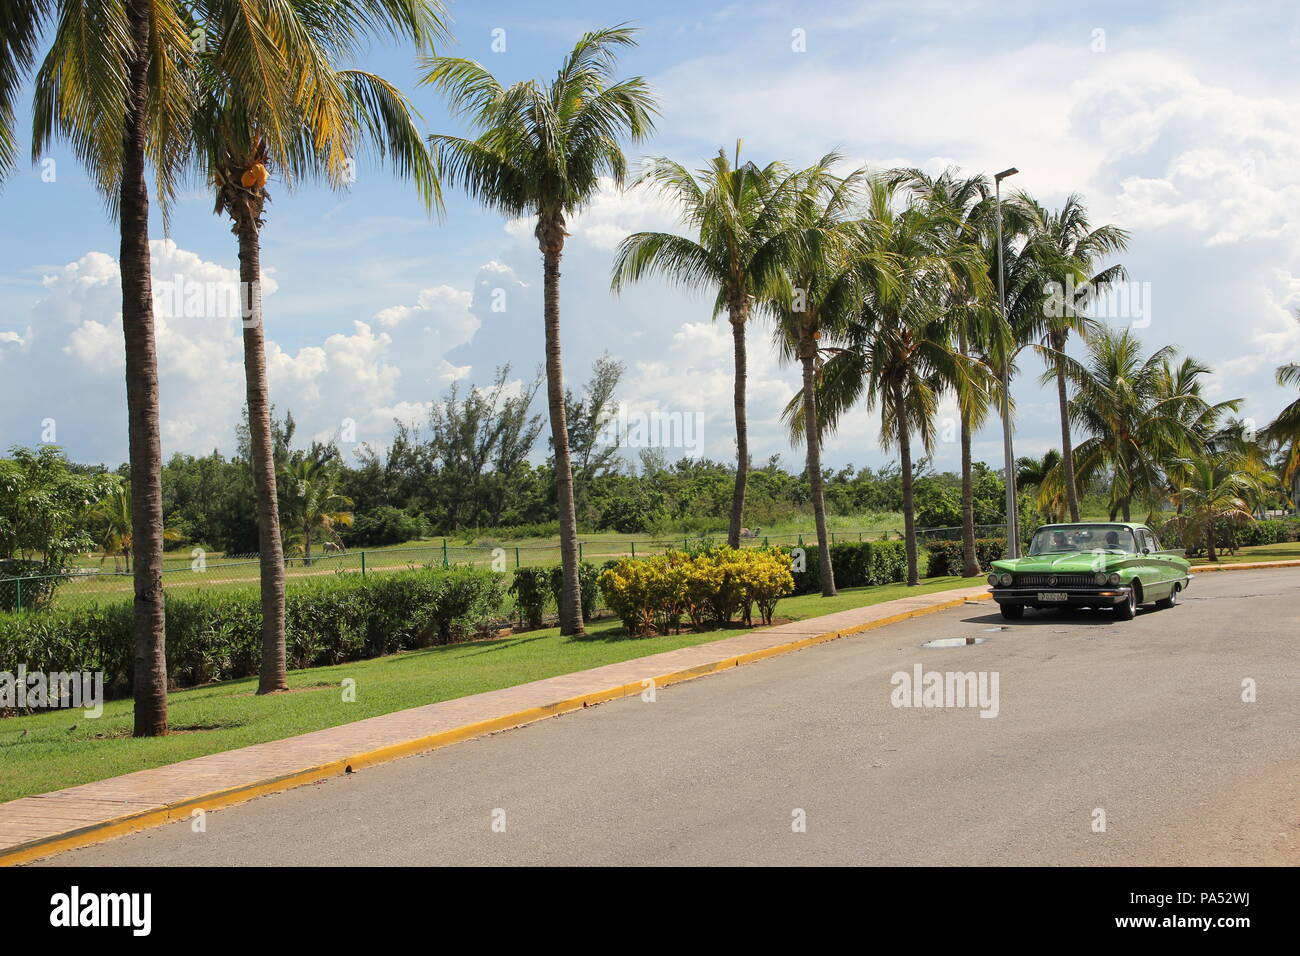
1013,529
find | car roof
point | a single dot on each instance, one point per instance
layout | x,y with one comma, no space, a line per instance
1131,525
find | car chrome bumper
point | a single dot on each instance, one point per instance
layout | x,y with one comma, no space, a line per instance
1075,597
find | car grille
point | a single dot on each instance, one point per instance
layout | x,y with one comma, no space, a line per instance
1064,580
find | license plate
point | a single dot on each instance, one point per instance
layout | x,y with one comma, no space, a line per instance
1053,596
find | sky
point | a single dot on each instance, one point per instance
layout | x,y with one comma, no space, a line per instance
1177,121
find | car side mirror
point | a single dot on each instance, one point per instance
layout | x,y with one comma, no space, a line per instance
1146,550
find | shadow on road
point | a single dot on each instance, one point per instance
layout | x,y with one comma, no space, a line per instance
1056,617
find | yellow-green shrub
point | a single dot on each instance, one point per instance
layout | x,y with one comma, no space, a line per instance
708,587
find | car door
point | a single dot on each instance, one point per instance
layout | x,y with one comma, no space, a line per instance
1164,571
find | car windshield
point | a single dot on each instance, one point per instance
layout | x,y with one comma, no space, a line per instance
1082,537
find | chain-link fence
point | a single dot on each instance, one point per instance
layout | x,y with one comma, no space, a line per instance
99,585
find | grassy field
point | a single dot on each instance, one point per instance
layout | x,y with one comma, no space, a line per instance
99,583
56,749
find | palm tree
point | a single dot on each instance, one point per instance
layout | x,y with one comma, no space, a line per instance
1066,249
112,85
113,516
820,294
301,117
1034,473
1215,488
1284,430
311,503
1136,420
896,351
541,151
739,213
965,211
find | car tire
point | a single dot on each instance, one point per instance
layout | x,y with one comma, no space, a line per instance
1128,610
1012,612
1172,599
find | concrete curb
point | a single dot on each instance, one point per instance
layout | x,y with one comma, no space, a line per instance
180,809
1245,566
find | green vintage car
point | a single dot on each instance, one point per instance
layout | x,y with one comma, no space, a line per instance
1091,564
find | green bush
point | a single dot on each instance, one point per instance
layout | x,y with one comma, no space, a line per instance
946,556
383,526
588,582
216,635
531,588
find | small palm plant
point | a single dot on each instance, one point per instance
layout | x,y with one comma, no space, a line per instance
541,151
1215,489
312,504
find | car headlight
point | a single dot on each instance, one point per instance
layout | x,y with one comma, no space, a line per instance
1006,579
1112,579
993,578
1099,578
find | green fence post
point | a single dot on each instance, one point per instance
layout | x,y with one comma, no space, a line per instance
445,562
801,541
18,594
765,541
516,555
363,564
832,537
580,551
634,549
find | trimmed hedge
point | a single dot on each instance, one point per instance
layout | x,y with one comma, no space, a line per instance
215,636
708,586
856,563
1230,535
946,556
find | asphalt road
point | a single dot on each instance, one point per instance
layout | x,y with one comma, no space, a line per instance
1143,722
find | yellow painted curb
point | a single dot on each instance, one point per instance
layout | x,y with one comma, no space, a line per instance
1246,566
147,819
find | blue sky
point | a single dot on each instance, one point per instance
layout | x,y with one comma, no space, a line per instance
1178,121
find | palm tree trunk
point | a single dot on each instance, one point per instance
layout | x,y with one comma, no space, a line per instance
970,565
1210,553
807,355
1067,451
270,550
306,546
550,236
909,503
739,314
150,676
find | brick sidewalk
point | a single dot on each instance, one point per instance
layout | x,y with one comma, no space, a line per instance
32,827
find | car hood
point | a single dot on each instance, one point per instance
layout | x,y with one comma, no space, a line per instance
1075,561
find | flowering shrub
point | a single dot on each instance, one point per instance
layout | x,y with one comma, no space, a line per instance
710,586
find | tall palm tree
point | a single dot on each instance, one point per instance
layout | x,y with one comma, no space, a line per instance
112,85
1284,430
299,116
822,292
897,351
1067,248
739,214
21,23
965,214
541,151
312,503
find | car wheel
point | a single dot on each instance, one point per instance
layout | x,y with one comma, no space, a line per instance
1012,612
1172,599
1127,610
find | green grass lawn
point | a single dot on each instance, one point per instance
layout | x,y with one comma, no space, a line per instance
1282,551
57,749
